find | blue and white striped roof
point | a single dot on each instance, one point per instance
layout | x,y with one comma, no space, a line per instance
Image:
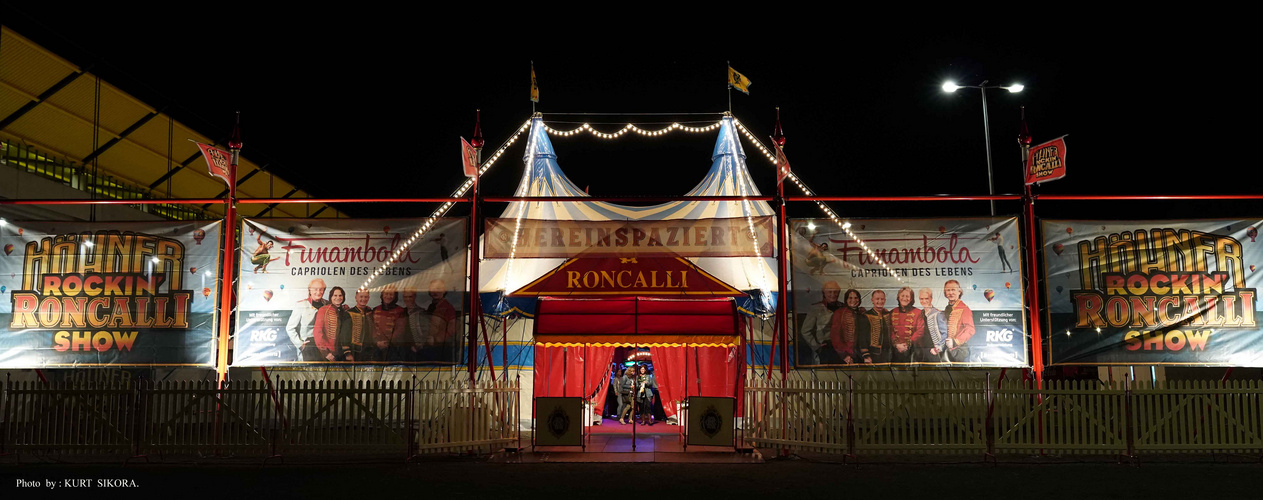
728,176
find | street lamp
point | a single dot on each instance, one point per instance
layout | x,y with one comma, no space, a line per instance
950,86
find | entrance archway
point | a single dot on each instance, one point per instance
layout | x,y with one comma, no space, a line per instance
695,345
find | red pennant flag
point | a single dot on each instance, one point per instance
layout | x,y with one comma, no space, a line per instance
469,157
1047,161
782,163
218,161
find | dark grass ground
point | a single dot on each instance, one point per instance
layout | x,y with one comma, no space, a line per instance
1199,477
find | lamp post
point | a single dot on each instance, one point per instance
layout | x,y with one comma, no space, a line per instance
950,87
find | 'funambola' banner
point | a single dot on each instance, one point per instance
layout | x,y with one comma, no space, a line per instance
300,297
1154,292
108,293
952,295
726,237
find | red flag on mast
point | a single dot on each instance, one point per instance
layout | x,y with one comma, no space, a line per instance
218,162
469,157
782,163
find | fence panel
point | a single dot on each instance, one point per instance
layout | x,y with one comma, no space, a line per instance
69,418
1185,416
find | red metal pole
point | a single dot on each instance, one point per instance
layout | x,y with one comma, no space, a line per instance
282,201
473,282
782,307
628,199
1142,197
167,201
982,197
226,279
1037,340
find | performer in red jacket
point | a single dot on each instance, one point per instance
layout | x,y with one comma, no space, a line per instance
847,322
874,342
907,328
329,321
391,323
960,323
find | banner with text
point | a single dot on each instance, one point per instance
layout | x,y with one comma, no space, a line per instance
1154,292
908,291
351,291
108,293
729,237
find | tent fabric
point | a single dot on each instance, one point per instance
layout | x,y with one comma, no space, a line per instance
573,371
728,176
695,371
637,320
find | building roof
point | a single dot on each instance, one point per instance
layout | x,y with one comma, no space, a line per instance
47,104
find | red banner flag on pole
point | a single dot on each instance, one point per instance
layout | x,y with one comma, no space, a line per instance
1047,161
469,157
218,161
782,163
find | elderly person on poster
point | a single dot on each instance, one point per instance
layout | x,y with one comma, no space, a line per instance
814,348
302,322
359,329
874,342
960,323
441,344
390,325
935,327
417,323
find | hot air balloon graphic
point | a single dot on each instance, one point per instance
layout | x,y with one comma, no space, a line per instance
192,270
975,287
1059,288
249,286
198,236
3,288
989,294
267,295
386,229
20,231
8,249
282,286
1251,268
1008,285
206,291
1252,233
942,230
1058,248
1070,230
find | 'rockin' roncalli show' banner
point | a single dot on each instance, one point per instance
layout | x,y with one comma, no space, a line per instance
108,293
302,295
950,292
1154,292
727,237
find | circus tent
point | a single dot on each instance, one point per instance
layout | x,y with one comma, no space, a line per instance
543,177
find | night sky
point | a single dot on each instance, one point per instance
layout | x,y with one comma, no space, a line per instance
372,104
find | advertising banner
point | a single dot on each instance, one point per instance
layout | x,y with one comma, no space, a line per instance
108,293
727,237
908,291
1153,292
316,291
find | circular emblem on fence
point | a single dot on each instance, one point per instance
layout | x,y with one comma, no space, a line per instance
711,421
558,422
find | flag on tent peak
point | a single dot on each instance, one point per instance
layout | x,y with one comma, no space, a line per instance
534,85
738,81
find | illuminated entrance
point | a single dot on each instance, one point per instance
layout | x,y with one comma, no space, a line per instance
694,349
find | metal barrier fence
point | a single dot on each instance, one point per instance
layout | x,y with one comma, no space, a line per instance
252,418
1070,417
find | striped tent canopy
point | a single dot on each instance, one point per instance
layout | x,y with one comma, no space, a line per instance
543,177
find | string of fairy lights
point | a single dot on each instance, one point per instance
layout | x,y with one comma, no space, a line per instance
632,128
442,209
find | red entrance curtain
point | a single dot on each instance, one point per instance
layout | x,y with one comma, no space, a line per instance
694,371
573,371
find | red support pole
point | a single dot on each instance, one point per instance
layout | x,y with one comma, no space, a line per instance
226,279
1037,340
782,308
473,282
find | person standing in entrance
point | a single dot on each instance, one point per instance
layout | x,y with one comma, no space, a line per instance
645,396
626,385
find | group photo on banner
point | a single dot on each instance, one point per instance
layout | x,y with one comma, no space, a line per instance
108,293
351,291
1154,292
950,292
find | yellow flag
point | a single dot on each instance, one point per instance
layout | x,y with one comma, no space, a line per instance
738,81
534,85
